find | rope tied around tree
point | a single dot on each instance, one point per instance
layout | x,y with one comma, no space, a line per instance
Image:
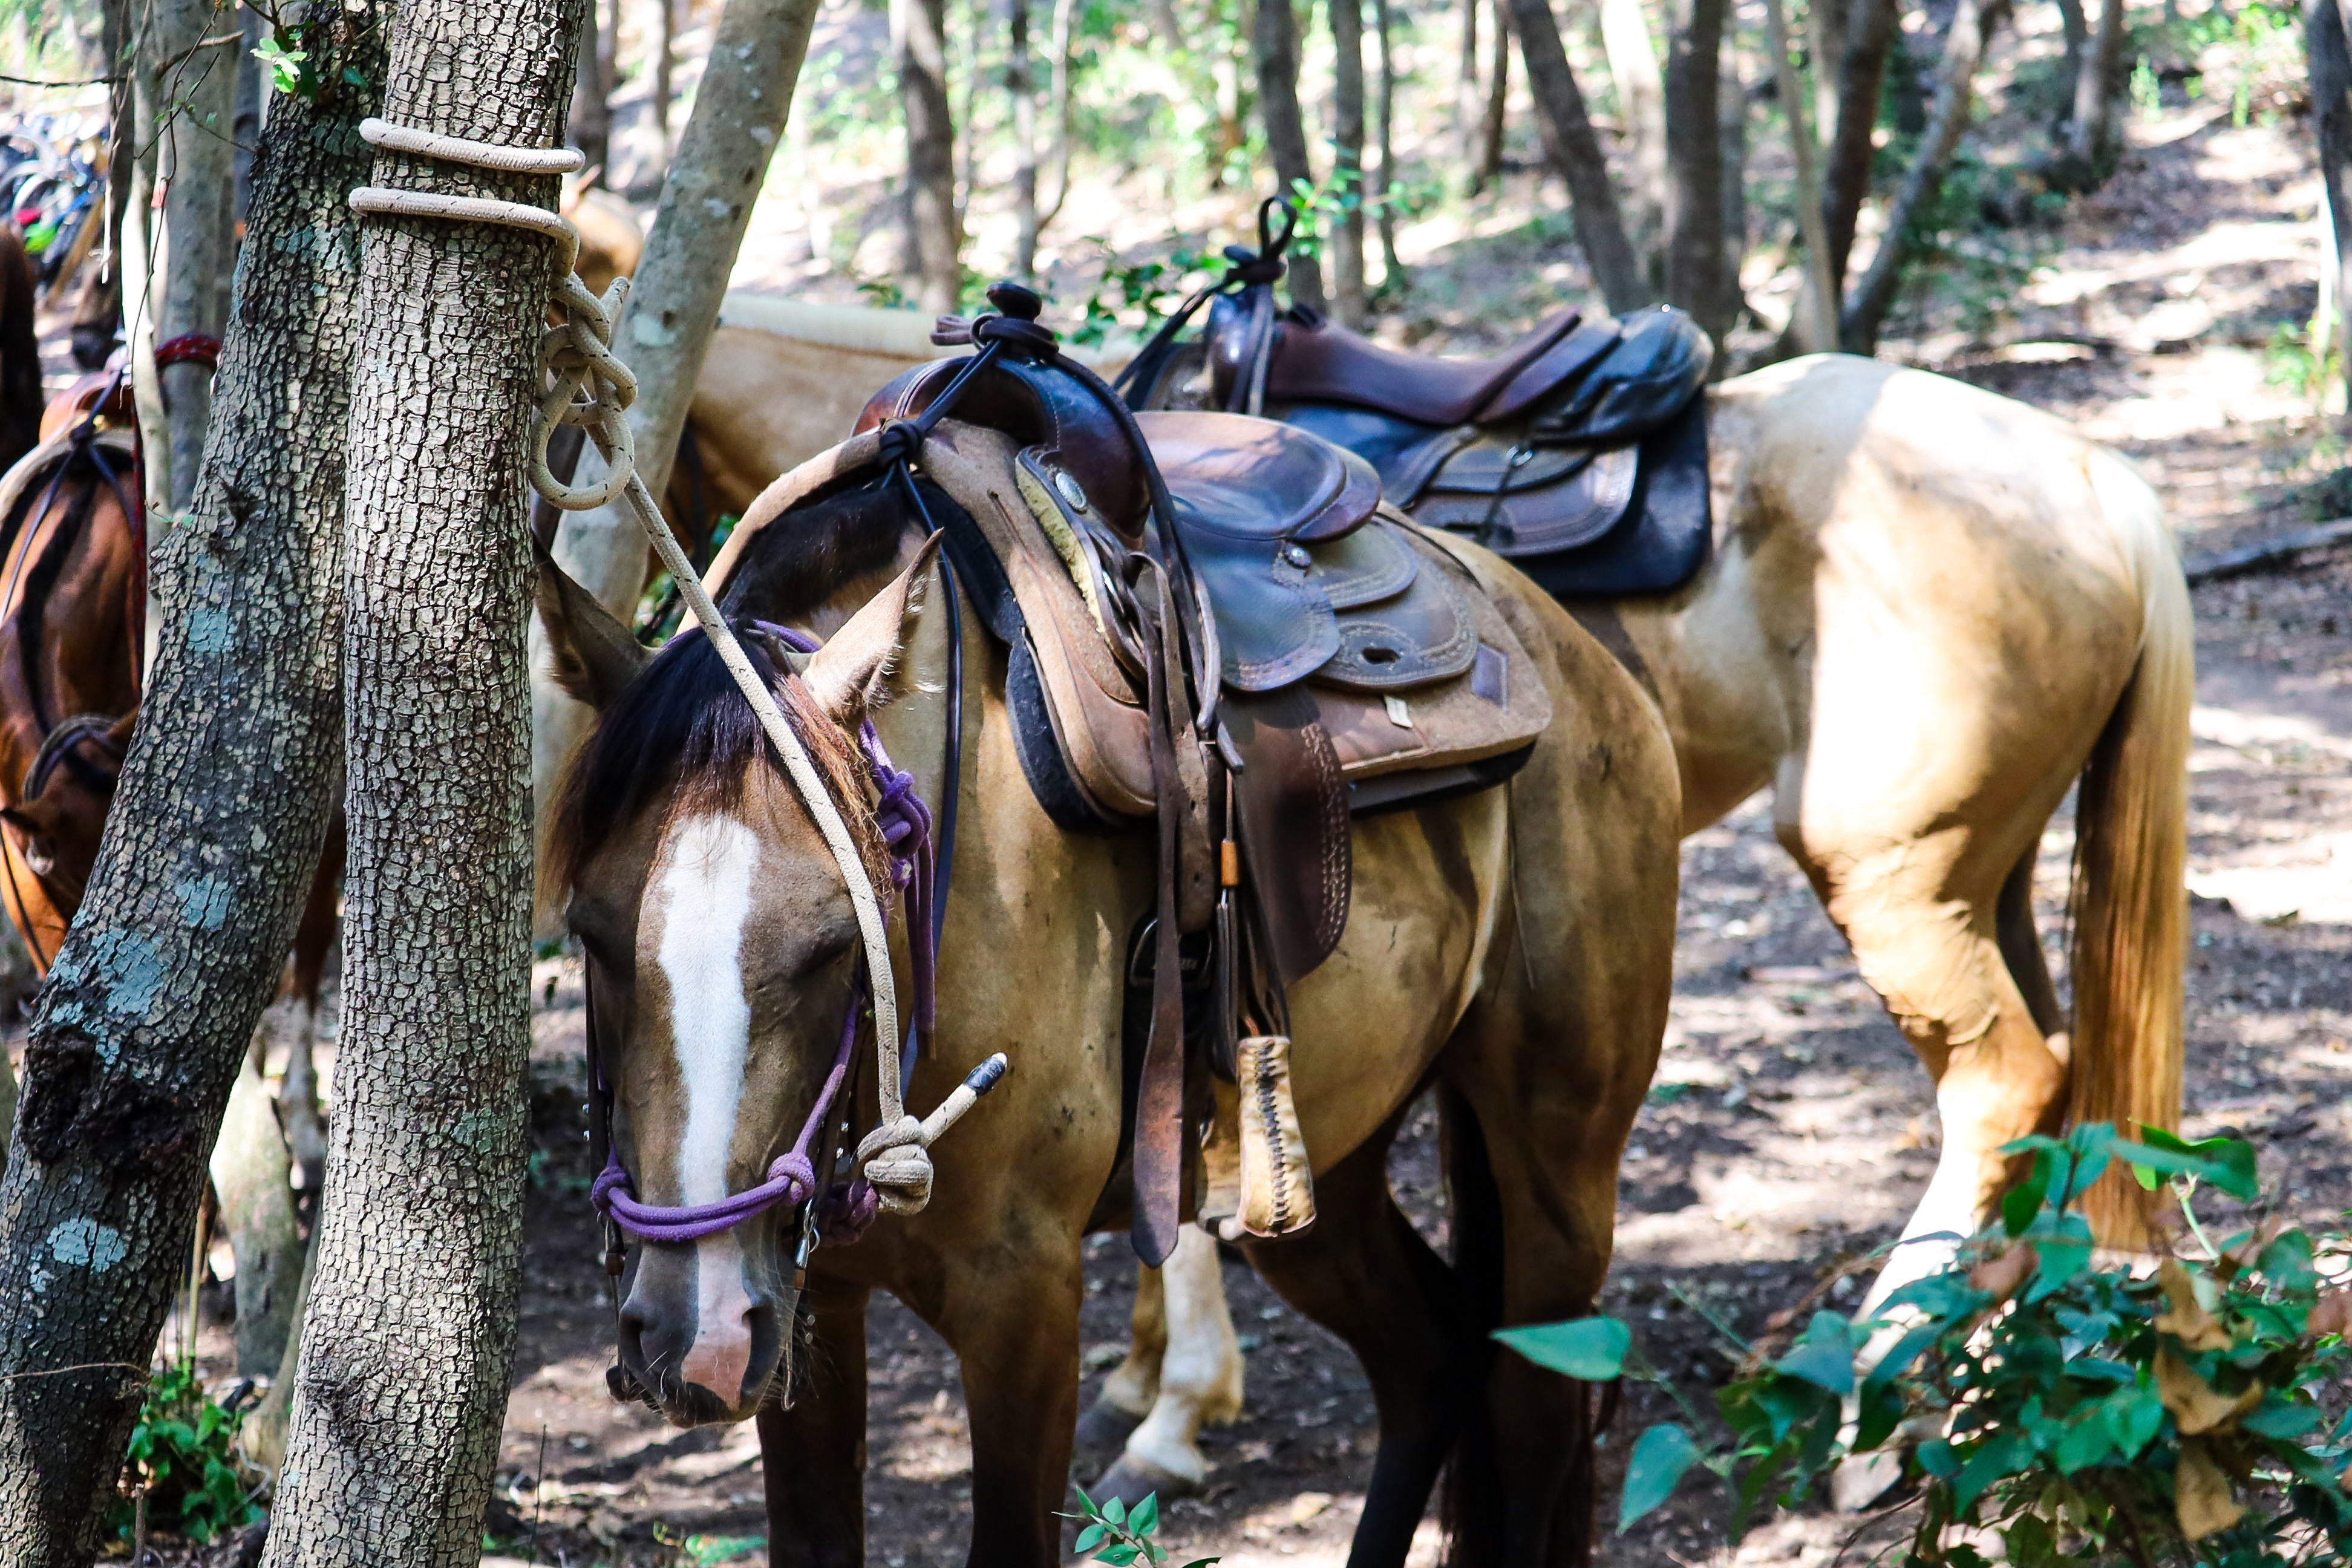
589,386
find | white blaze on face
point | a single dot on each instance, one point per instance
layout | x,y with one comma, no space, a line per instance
704,892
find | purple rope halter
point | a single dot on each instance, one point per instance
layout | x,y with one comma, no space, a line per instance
845,1212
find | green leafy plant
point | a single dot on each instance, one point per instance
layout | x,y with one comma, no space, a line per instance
183,1461
2074,1412
1138,295
1116,1534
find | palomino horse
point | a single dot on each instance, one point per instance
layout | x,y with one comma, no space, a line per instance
720,947
1930,611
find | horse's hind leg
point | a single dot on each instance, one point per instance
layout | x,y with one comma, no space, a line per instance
1197,1364
814,1454
1364,1273
1133,1386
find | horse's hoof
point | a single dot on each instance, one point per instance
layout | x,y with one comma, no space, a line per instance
1133,1479
1105,1425
1860,1479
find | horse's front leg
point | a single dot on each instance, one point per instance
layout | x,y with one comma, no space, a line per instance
1012,1317
814,1453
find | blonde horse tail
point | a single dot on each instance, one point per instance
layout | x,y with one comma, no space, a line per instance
2130,906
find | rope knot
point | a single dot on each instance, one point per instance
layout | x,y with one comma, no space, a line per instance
895,1165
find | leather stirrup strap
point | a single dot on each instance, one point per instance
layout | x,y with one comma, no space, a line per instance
1160,1098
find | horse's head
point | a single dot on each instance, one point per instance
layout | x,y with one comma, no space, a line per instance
721,950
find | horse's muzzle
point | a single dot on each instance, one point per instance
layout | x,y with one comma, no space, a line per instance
696,1337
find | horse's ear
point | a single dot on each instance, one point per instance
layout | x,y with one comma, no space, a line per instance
596,658
854,673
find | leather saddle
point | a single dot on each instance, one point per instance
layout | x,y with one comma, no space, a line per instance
1579,453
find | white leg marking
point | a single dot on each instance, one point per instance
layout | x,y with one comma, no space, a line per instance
1200,1371
705,898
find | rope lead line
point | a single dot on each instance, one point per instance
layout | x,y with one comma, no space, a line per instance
591,389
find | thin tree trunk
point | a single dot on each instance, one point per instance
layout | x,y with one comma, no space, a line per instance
1814,324
974,38
252,1173
2098,82
2326,38
2076,28
1348,160
1021,86
1973,26
1468,121
1063,13
1732,105
723,157
935,246
209,848
1641,99
1825,24
591,112
197,160
251,100
397,1415
1700,275
665,73
1576,150
1492,122
1383,192
1862,73
1276,38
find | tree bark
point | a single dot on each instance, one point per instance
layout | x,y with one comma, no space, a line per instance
198,157
2098,82
592,92
1973,26
1275,37
2325,35
1814,325
1826,22
2076,27
1346,238
1732,106
1641,99
1468,121
1701,278
397,1414
722,161
209,848
1576,152
1493,122
1021,86
1862,72
1383,189
1064,12
252,1173
935,246
665,73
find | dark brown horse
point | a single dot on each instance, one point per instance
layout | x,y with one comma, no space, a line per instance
20,352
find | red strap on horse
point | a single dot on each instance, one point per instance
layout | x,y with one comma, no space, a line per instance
189,348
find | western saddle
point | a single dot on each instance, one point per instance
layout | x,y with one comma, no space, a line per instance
1215,625
1579,453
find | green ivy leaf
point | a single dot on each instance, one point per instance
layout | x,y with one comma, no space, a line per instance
1997,1458
1824,1357
2085,1443
1119,1555
1662,1456
2282,1419
2225,1162
1115,1510
1591,1349
1146,1517
2133,1416
1088,1539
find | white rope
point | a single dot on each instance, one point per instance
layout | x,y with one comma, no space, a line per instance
590,387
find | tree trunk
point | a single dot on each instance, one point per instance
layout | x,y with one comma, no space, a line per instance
251,100
974,38
397,1415
1845,180
1732,105
1826,22
197,158
935,248
2076,29
252,1173
2325,35
1346,239
1021,86
1383,192
1641,99
1468,122
723,158
1493,122
1972,28
1576,150
2098,82
1700,275
1813,326
665,72
1064,12
591,110
1277,39
209,848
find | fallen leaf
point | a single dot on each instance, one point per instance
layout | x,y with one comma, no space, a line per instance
2196,1405
1306,1505
2331,1315
2201,1494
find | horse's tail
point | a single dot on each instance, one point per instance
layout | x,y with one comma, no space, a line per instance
2130,905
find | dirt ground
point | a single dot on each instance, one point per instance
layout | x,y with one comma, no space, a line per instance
1791,1131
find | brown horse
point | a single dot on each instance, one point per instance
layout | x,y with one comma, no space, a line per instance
1510,948
20,352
